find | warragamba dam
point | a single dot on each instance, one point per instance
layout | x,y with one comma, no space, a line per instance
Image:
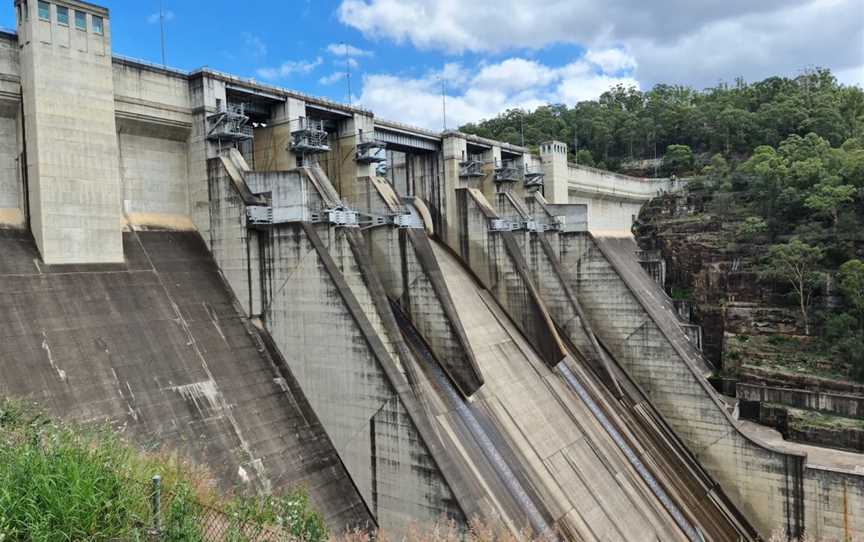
412,325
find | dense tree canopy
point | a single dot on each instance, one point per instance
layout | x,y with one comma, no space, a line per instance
626,124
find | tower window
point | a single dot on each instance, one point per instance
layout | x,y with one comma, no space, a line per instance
80,20
44,11
63,15
98,26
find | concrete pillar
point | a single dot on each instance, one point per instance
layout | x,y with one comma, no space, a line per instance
492,157
271,143
206,93
553,156
345,168
71,138
454,150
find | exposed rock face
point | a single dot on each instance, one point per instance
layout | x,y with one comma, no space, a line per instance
751,331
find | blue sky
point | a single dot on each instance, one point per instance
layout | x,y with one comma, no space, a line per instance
493,54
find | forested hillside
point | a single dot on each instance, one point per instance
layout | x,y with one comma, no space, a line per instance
626,124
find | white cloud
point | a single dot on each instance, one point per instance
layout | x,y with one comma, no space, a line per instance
483,91
611,60
332,78
153,18
289,68
671,40
343,49
255,45
852,76
514,74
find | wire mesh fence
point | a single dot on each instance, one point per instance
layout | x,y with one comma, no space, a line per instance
176,515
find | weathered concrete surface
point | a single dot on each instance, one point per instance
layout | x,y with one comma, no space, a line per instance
13,194
498,260
321,313
156,346
556,442
153,172
324,315
680,470
524,275
775,487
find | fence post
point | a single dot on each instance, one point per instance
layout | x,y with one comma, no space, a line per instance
156,505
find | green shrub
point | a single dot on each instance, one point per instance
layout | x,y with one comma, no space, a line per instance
852,353
838,327
290,512
681,294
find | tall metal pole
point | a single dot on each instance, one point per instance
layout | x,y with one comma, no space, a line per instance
348,71
444,101
162,29
576,142
522,125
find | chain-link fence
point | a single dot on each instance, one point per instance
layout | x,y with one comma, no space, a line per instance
178,516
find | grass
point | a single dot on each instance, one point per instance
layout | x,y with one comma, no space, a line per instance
802,419
785,353
61,482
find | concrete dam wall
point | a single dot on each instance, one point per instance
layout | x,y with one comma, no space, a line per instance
413,325
455,409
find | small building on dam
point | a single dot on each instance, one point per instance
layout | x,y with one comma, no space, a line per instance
412,325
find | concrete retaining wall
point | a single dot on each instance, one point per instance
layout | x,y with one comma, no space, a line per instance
844,405
607,214
151,97
11,186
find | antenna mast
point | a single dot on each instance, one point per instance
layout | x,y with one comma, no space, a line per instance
444,101
522,125
348,71
162,29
